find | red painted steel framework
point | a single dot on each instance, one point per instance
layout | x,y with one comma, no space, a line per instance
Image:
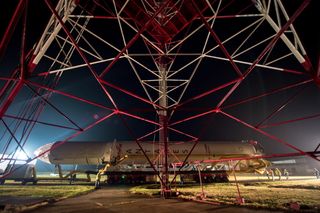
164,45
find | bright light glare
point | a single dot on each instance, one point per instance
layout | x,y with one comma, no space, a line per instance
21,155
3,165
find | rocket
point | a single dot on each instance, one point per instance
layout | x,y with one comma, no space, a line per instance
94,153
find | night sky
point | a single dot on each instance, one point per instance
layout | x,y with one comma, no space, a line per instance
210,74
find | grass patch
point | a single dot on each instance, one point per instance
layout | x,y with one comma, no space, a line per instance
149,189
271,195
44,190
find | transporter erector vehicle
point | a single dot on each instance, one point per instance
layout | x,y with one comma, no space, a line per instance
127,163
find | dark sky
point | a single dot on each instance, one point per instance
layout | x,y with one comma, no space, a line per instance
210,73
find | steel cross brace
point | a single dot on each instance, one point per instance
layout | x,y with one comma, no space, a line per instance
132,41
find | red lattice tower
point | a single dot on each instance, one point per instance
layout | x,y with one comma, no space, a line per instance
160,67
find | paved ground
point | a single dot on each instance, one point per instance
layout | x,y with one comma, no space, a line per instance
10,200
9,203
118,199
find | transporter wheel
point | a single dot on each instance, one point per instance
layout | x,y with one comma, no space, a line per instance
196,178
210,179
225,179
217,179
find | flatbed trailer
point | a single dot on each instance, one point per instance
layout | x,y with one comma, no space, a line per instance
129,177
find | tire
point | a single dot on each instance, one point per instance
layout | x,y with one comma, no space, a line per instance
225,179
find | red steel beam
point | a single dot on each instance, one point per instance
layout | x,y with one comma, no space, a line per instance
185,161
267,93
84,58
150,162
195,116
265,134
91,102
148,134
216,38
195,143
307,65
266,49
11,27
138,117
103,7
11,97
290,121
316,149
143,152
204,94
56,145
133,40
14,138
278,35
106,17
22,76
69,95
130,93
163,137
22,5
54,107
183,133
318,68
39,122
230,92
281,107
23,43
172,129
9,80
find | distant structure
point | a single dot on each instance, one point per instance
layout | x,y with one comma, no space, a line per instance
295,165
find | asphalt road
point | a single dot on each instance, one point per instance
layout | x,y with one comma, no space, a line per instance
118,199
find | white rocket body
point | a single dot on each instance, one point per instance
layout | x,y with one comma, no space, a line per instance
93,153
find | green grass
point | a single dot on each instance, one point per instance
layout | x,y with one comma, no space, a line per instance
272,195
44,190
